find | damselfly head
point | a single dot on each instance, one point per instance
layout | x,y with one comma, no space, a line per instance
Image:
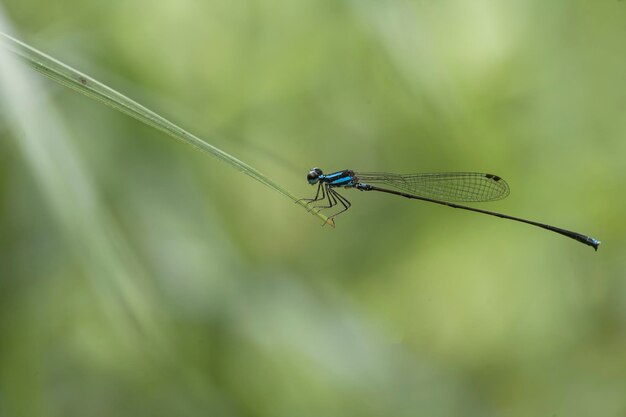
314,175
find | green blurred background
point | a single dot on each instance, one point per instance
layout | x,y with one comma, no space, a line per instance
139,277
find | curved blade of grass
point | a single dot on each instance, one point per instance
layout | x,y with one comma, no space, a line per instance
90,87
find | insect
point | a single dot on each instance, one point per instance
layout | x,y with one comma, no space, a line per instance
447,188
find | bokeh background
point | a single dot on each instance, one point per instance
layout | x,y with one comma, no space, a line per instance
139,277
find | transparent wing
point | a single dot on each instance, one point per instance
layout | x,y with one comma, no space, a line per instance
446,186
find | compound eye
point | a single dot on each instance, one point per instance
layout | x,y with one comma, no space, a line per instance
314,175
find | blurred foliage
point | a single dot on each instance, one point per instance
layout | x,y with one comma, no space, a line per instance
139,277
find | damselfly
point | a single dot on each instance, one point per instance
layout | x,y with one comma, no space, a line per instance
446,189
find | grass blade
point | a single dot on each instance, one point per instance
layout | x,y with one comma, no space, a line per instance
90,87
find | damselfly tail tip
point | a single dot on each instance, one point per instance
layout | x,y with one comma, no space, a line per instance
595,243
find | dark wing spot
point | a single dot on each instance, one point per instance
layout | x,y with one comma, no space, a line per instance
493,177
